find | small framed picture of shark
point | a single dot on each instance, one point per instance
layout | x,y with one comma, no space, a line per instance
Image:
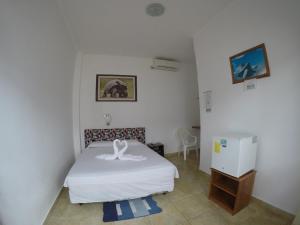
250,64
111,88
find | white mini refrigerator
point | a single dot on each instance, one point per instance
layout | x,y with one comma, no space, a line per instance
234,154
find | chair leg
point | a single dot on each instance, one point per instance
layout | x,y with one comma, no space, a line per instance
184,152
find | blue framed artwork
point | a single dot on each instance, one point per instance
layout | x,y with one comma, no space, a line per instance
250,64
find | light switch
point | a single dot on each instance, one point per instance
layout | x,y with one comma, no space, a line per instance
249,85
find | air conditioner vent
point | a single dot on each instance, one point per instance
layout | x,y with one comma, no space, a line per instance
165,64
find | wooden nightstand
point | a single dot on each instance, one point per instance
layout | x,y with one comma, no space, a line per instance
231,193
157,147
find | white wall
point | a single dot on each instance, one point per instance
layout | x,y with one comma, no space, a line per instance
166,100
272,110
36,72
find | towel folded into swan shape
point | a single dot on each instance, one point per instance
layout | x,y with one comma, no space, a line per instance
119,154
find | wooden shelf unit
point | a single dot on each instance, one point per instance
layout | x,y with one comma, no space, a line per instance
231,193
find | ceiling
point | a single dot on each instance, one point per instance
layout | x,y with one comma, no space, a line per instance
121,27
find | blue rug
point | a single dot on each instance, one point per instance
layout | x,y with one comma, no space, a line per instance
129,209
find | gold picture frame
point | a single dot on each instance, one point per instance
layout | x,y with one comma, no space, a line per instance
112,88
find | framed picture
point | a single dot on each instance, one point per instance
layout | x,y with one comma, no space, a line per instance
250,64
116,88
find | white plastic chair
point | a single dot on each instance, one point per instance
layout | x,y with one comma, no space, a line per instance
187,140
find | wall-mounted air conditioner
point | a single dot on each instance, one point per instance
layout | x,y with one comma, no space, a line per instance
165,64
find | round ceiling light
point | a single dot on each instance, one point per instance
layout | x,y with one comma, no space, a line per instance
155,9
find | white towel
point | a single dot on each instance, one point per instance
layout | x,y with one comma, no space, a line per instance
110,156
119,154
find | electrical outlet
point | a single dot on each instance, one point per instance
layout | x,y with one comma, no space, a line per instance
249,85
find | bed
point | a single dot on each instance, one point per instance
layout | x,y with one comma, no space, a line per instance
95,180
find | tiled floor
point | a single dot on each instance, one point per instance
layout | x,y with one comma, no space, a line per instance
186,205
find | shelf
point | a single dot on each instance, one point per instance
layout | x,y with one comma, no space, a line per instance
228,188
222,198
225,183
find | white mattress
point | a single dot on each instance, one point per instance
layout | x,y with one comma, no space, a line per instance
95,180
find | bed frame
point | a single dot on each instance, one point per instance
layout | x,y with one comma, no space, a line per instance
93,135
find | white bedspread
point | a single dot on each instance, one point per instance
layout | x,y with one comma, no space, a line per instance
94,180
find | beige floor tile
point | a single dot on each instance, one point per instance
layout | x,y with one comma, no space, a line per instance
136,221
178,194
194,205
210,218
169,215
161,199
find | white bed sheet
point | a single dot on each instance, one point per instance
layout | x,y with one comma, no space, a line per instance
95,180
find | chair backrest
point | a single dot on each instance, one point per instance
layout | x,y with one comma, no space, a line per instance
184,135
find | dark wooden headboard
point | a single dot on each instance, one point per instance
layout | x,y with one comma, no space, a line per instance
93,135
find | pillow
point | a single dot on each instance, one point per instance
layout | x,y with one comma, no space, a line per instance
100,144
133,142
